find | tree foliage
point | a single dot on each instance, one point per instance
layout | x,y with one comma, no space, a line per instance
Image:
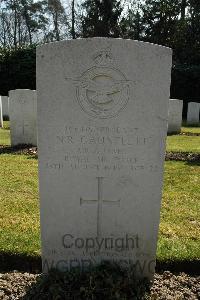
172,23
17,69
101,18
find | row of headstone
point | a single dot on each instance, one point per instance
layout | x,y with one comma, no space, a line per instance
23,115
102,119
175,115
1,114
193,113
5,107
21,109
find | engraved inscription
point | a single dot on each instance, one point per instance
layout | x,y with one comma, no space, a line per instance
109,149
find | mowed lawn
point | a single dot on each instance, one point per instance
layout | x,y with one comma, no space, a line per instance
19,209
179,236
183,143
5,134
190,129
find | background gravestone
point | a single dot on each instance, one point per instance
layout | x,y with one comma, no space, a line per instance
175,115
23,112
102,113
193,113
5,107
1,114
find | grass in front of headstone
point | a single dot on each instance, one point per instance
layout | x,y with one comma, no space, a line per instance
19,209
179,237
6,125
180,225
5,134
183,143
190,130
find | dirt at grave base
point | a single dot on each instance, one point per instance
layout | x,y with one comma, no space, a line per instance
167,286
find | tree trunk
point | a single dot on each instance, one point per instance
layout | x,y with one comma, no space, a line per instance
15,24
183,9
56,27
27,20
73,20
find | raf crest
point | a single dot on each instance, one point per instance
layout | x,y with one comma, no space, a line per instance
103,90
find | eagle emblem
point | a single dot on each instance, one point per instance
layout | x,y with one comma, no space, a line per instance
102,91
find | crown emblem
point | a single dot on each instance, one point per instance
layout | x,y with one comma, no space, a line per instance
103,57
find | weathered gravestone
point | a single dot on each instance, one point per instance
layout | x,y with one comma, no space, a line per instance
175,115
102,113
5,107
23,113
193,113
1,114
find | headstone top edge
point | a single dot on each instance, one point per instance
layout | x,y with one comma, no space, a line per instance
21,90
165,49
172,99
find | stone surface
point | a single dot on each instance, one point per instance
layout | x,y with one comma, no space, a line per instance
5,106
175,116
102,113
193,113
23,113
1,114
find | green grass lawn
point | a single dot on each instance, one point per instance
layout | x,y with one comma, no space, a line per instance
190,129
179,237
19,209
5,134
183,143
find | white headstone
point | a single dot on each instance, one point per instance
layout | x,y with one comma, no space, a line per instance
175,115
5,106
23,113
193,113
102,113
1,114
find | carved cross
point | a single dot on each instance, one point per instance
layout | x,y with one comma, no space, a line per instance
23,126
100,202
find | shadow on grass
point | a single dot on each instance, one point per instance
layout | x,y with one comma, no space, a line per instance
188,157
191,267
106,281
173,133
19,149
31,152
33,264
20,262
5,128
185,124
193,163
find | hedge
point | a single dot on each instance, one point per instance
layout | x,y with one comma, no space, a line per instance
18,70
